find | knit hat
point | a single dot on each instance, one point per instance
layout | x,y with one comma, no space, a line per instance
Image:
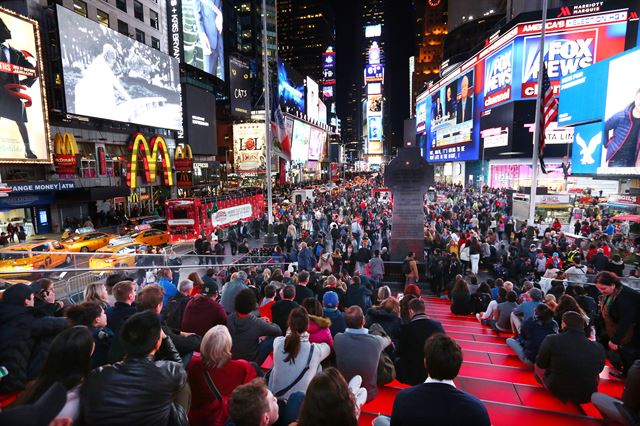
330,299
17,294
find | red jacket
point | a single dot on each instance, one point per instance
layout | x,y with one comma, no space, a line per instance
204,406
202,313
265,311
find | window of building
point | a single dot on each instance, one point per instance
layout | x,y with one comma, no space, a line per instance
122,5
153,19
123,28
138,10
103,17
155,43
80,7
140,35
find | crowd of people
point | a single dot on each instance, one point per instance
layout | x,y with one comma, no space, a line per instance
309,338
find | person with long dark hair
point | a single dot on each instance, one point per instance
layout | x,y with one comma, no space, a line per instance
295,360
68,362
93,316
460,298
329,401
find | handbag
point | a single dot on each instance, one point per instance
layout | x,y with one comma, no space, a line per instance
386,368
283,391
221,410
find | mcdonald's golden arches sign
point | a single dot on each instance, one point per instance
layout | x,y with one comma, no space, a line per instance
149,153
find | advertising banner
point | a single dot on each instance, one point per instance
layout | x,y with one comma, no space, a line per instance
249,148
374,105
291,89
300,144
65,154
150,152
498,77
374,73
202,25
579,102
374,125
200,120
317,141
312,98
24,129
329,67
231,214
240,87
111,76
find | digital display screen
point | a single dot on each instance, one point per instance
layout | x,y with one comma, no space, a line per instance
203,44
291,89
300,144
200,120
317,141
111,76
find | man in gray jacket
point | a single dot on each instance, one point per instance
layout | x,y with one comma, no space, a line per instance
231,289
376,268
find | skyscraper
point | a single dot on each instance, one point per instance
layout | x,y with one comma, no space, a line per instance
305,30
431,30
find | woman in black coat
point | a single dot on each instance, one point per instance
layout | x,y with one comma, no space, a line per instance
460,298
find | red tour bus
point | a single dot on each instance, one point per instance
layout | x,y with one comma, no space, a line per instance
188,217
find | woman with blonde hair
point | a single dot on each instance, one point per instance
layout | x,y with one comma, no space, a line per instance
211,372
97,293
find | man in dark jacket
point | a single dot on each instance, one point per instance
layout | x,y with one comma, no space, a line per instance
174,311
410,366
600,261
233,240
437,401
281,309
569,364
358,294
302,288
24,338
137,391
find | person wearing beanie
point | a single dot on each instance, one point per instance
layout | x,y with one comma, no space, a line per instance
137,390
25,338
569,364
330,303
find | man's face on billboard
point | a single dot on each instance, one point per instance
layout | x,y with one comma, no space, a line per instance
464,87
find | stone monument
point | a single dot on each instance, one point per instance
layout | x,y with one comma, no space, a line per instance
408,177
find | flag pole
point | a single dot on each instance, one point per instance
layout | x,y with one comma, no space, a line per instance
269,239
536,129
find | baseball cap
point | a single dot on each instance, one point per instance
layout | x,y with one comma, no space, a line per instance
536,294
17,294
209,289
41,412
330,299
555,254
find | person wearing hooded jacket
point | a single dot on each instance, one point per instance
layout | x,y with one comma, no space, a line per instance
24,338
622,135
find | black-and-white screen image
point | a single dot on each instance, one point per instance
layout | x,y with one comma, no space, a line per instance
111,76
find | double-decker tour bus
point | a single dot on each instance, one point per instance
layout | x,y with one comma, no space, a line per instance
189,217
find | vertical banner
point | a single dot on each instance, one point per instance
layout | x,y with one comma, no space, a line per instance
240,87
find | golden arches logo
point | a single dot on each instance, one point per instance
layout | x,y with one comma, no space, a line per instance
149,153
65,144
183,152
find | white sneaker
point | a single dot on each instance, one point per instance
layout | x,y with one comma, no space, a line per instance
361,397
355,384
479,317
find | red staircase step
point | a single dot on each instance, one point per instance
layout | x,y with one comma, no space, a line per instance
395,384
485,347
537,397
366,419
611,387
506,360
383,402
476,356
489,390
509,415
497,372
462,328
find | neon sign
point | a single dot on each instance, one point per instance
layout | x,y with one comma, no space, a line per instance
149,158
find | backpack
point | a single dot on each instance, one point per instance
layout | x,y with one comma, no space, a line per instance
406,268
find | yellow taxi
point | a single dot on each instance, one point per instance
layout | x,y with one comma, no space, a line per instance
90,241
151,237
19,259
111,256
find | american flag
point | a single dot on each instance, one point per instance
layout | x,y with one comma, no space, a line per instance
278,130
549,113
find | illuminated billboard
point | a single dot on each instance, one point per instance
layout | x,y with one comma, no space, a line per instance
24,131
317,140
195,34
111,76
249,149
312,98
291,89
507,71
300,144
372,31
374,73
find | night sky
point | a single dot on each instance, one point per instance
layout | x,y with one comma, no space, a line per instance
400,45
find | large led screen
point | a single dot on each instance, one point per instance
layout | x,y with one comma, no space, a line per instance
111,76
200,120
24,133
450,122
300,144
290,89
202,23
622,117
317,141
312,98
